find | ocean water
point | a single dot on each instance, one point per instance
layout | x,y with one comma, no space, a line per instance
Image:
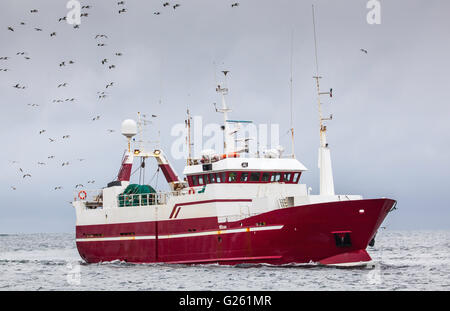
403,260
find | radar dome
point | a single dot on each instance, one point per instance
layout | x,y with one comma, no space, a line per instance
129,128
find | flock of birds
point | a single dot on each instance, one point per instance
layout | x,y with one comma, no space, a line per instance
108,62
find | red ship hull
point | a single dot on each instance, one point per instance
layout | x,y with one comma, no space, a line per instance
325,233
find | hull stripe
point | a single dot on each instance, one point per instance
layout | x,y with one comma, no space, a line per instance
181,235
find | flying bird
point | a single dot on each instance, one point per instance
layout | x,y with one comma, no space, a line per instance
156,13
52,140
34,11
13,188
86,7
53,34
111,131
51,157
95,118
62,85
41,163
10,28
104,61
122,11
364,51
66,136
38,29
26,175
112,66
235,4
41,131
62,18
58,188
91,181
110,84
65,164
79,185
166,4
121,3
101,36
118,54
176,5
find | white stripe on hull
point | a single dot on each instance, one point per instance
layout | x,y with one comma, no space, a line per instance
180,235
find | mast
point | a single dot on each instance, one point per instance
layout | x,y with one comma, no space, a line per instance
188,137
228,143
324,163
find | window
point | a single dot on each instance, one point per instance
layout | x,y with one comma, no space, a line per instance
232,177
276,177
218,179
287,177
265,177
296,177
206,179
200,179
244,177
255,176
194,180
223,176
212,178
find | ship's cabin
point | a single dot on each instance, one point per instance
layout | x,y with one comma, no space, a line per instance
245,170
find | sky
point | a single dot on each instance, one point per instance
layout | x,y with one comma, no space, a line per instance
389,136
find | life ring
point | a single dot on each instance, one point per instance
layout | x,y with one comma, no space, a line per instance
82,195
191,191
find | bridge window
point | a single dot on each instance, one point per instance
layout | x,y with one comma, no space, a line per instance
287,177
195,180
254,177
276,177
200,179
296,177
265,177
232,177
212,178
244,177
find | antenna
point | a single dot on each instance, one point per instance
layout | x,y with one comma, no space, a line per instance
291,87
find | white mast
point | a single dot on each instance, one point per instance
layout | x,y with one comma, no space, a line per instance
326,172
228,142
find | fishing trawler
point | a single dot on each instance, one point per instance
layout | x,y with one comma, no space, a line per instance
232,207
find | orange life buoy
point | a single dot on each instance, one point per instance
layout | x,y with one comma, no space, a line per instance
191,191
82,195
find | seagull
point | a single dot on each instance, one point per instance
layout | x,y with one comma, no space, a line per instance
96,118
86,7
62,18
101,36
175,6
22,23
118,54
235,4
38,29
79,185
121,3
91,181
101,44
10,28
65,163
33,105
62,64
84,14
13,188
26,175
41,163
6,57
51,157
157,13
20,169
62,84
112,66
111,131
104,61
20,53
52,140
122,11
81,160
6,69
111,84
57,188
76,26
26,57
71,62
41,131
66,136
53,34
34,11
166,4
364,51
